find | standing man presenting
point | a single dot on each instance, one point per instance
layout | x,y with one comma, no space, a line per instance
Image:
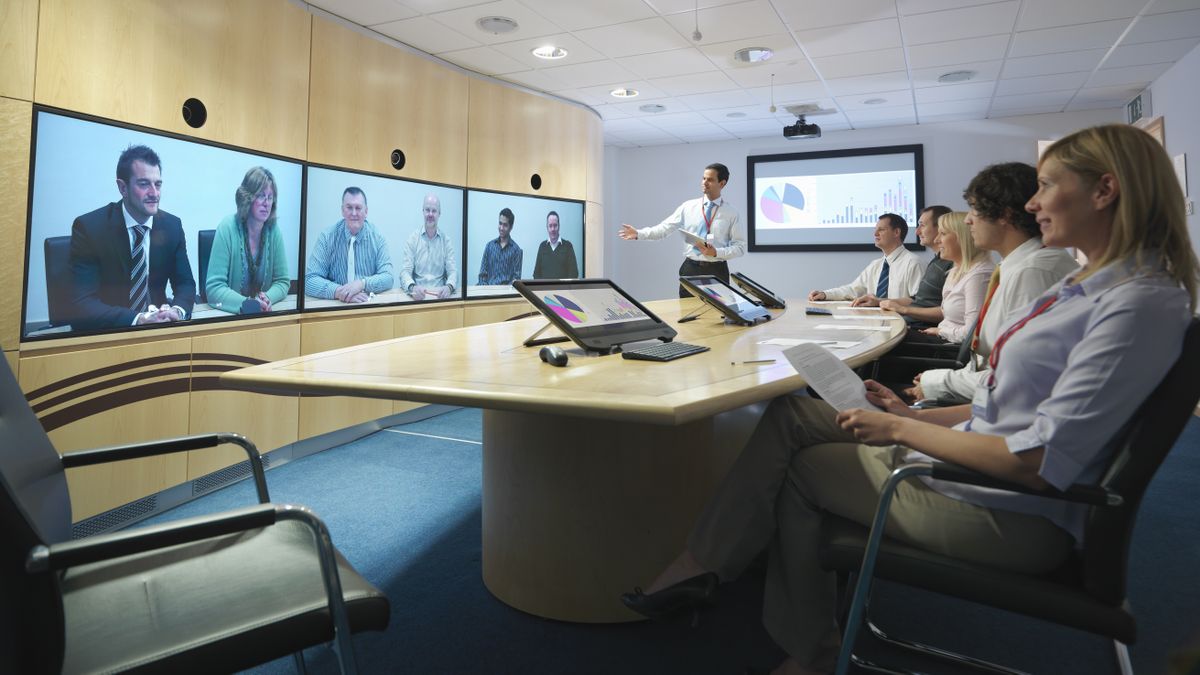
712,219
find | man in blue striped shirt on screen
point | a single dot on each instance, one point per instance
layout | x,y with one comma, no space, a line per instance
501,257
350,262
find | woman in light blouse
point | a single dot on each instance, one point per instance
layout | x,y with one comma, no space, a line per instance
966,284
1068,370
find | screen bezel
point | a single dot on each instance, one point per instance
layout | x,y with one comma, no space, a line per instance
689,282
582,243
595,338
766,295
752,161
134,330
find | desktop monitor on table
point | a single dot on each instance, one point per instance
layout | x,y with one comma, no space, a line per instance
595,314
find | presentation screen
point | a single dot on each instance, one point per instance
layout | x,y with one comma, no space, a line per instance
543,239
132,229
831,200
406,236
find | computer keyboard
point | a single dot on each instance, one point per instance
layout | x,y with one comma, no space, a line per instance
664,351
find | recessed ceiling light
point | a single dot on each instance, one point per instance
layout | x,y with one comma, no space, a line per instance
652,107
549,52
957,76
624,93
496,24
875,101
735,115
752,54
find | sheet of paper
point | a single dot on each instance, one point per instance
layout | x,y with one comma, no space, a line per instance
828,344
831,378
859,317
830,326
866,309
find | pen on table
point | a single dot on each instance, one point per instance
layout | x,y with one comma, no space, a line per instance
743,363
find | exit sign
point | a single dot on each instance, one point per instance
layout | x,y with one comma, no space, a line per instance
1138,108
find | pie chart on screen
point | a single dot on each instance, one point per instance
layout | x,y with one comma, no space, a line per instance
565,308
782,208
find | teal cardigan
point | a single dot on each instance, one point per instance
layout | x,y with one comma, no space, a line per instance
225,266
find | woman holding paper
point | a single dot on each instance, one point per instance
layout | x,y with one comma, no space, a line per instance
1065,371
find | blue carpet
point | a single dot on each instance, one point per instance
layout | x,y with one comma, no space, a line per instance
404,510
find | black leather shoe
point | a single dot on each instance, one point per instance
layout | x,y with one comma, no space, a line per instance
689,594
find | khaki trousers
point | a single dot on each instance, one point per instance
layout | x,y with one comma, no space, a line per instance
799,463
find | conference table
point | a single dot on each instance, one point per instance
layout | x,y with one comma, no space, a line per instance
593,473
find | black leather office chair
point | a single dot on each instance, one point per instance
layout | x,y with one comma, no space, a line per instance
1087,592
57,255
204,241
215,593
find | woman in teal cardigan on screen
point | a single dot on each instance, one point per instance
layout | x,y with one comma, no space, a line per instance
247,270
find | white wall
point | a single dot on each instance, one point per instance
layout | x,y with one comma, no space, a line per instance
644,185
1175,97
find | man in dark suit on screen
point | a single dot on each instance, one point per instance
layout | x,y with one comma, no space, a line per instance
123,254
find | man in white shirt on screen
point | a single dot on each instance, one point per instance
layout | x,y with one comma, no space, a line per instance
896,275
429,268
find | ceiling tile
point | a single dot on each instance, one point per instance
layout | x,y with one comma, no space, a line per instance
848,86
431,6
530,23
782,44
928,77
1027,101
666,64
1078,104
581,14
676,6
522,51
1167,51
1043,109
1115,92
536,79
791,72
426,34
789,94
974,106
629,126
949,117
1051,64
745,112
860,63
590,96
647,93
610,112
1033,85
484,60
637,37
1050,14
731,22
955,92
1127,75
366,12
934,54
822,14
923,6
880,112
669,121
1165,27
968,22
1067,39
700,83
742,128
590,74
891,99
721,99
671,104
846,39
1172,6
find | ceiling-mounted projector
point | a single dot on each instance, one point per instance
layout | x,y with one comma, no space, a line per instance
801,129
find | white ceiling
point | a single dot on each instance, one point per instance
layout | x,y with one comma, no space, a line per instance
1029,56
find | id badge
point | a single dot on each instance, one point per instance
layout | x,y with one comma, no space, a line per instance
983,404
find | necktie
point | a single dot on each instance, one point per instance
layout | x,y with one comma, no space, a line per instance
882,287
139,275
993,283
350,271
708,214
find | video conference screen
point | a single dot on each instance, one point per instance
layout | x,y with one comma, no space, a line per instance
376,240
831,200
129,228
512,237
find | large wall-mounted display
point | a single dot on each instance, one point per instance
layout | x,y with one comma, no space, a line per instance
404,239
512,237
130,228
830,200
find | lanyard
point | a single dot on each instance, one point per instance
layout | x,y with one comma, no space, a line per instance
994,358
708,217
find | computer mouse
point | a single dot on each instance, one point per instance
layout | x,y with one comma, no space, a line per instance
555,356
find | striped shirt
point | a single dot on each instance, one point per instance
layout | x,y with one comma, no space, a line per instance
500,265
327,263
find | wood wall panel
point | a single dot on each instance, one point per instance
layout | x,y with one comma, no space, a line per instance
319,415
594,234
269,420
18,47
474,315
16,118
515,134
429,320
369,98
139,60
595,161
14,363
109,396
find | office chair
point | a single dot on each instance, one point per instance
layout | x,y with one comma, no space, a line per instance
215,593
204,242
1087,592
57,254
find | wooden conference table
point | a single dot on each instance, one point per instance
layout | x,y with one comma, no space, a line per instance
592,473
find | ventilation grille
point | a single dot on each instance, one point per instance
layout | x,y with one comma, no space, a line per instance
116,518
230,474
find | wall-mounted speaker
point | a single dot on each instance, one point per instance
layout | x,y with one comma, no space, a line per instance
535,182
398,159
194,113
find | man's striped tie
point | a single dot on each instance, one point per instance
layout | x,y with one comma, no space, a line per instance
139,276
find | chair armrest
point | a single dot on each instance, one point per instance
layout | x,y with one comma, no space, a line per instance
1078,493
116,453
923,363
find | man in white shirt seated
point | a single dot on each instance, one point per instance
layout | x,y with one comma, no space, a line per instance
1000,223
896,275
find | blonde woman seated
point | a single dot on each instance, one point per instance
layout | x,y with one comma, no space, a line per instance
966,284
1067,372
248,270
